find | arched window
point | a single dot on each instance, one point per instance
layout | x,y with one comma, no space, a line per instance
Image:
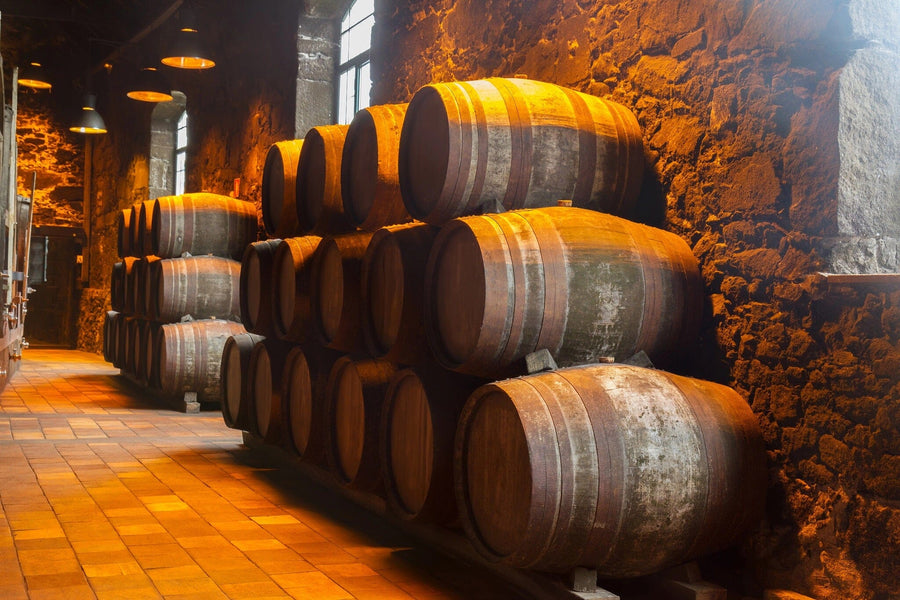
353,76
168,147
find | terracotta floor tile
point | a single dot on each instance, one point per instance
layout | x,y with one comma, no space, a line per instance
107,493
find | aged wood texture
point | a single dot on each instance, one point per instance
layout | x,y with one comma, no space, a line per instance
370,185
519,144
393,272
190,357
421,409
304,399
582,284
256,287
618,468
143,288
202,223
199,286
118,283
336,271
279,188
123,233
237,393
355,396
267,360
291,273
320,208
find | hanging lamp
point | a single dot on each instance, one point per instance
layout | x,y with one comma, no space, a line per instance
150,87
187,50
34,76
90,121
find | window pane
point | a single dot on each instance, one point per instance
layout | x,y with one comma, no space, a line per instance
180,164
346,96
359,10
181,131
364,85
359,39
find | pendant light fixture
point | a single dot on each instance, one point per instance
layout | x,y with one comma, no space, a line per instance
34,76
187,50
90,121
150,87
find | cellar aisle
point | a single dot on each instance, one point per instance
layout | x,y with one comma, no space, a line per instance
104,493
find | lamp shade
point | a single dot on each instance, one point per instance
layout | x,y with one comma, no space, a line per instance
32,75
187,51
150,87
90,121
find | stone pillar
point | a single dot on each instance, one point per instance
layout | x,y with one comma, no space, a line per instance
317,48
868,210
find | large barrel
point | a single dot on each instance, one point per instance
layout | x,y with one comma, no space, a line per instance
519,143
265,372
151,358
291,287
582,284
145,226
123,233
393,272
304,385
137,240
190,357
199,286
120,358
354,396
370,186
255,289
110,324
421,408
621,469
336,273
118,283
140,349
279,188
202,223
132,345
142,285
319,205
237,396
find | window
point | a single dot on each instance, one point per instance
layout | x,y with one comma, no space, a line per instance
168,145
180,152
354,79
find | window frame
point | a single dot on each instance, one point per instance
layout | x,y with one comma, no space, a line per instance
354,65
180,151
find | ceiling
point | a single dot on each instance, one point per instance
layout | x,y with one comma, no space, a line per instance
72,37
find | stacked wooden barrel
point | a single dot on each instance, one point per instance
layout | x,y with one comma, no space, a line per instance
382,347
175,293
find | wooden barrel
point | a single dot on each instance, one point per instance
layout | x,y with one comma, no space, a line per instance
421,408
118,283
617,468
237,395
142,285
123,233
304,386
370,186
137,240
265,372
199,286
143,334
145,226
202,223
255,289
320,208
292,287
151,358
121,354
129,286
519,143
132,345
110,323
336,271
393,272
354,396
279,188
582,284
190,357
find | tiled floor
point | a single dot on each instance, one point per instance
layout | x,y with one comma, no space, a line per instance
105,493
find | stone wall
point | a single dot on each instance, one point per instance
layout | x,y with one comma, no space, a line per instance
47,148
742,117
